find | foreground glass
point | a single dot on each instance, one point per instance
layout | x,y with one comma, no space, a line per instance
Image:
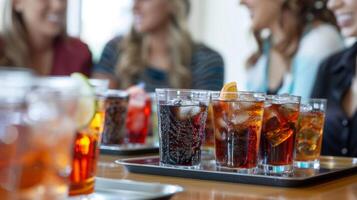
182,116
36,134
309,134
237,122
87,143
280,119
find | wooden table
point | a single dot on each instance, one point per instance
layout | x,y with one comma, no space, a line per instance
339,189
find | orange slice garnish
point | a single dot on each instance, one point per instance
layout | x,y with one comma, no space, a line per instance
229,91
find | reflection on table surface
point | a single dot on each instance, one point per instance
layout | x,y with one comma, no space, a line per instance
342,188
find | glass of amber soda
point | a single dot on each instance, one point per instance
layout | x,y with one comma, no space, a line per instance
309,133
280,119
237,128
88,137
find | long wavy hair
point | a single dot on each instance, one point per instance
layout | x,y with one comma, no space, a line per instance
15,50
297,15
134,51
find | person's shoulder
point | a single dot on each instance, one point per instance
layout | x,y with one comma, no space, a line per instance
202,52
335,58
323,39
322,34
115,42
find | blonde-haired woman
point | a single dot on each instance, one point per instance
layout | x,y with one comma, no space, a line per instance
159,51
33,35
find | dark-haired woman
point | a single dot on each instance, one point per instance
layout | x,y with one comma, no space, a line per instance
337,82
293,37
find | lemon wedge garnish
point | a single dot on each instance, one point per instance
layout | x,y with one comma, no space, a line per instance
87,103
229,91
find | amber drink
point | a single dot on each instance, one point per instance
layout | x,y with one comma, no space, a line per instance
281,114
237,122
208,139
86,144
36,156
309,134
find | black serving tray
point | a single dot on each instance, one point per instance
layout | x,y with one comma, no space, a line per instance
129,149
330,168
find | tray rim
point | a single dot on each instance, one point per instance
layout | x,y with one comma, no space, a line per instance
133,150
133,167
168,193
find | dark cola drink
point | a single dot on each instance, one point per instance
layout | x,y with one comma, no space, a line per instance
181,132
116,106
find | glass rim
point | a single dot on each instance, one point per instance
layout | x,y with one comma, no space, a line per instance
116,93
316,100
238,92
158,90
240,96
284,97
53,81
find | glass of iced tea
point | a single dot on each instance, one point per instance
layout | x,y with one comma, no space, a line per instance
309,133
36,134
116,107
87,141
182,116
280,119
237,128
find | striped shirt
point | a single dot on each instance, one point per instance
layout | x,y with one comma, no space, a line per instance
207,68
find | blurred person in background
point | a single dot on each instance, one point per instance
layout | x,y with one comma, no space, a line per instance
301,33
34,36
159,51
337,82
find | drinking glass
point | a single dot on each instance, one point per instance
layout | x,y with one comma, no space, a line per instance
116,107
182,117
208,139
87,143
280,119
37,130
309,134
138,118
15,85
237,129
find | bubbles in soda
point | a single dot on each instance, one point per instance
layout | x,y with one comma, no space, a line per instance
181,127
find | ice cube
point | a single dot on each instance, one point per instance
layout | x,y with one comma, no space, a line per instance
42,111
306,147
222,123
239,118
186,112
137,101
305,108
278,136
